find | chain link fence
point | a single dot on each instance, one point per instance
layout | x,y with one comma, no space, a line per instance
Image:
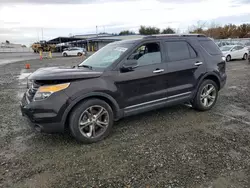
13,50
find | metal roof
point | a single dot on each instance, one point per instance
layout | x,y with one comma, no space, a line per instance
94,39
63,40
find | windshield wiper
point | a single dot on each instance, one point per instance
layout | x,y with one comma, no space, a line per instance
85,66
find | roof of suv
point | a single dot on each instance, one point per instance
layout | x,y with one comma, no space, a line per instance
160,36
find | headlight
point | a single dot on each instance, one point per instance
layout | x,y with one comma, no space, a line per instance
29,83
45,91
223,58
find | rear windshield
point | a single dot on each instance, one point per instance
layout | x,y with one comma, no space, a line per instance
210,47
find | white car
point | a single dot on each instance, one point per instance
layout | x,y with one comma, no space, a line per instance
234,52
74,52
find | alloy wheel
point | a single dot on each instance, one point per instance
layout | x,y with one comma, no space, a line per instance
94,121
208,95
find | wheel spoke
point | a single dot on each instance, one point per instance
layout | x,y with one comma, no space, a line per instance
205,102
93,130
100,113
211,97
205,89
210,90
203,96
85,124
101,124
89,113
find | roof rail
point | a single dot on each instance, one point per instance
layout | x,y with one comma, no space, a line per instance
174,35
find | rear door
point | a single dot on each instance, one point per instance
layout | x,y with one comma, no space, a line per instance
234,53
184,68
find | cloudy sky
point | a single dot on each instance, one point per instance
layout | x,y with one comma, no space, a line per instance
21,21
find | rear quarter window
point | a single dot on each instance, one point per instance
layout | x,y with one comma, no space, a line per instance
210,47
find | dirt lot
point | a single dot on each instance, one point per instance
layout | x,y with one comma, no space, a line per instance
174,147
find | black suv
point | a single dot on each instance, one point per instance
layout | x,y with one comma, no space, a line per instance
125,78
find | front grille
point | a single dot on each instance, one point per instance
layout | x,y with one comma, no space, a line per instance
32,90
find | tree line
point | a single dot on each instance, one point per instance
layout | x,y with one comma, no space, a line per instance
212,30
149,31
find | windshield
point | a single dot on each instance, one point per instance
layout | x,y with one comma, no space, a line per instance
106,55
225,48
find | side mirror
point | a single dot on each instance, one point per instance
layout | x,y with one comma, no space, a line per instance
129,65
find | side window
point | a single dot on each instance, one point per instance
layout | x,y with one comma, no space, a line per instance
192,52
147,54
235,48
210,47
240,47
179,50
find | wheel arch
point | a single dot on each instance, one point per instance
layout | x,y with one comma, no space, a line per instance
210,76
102,96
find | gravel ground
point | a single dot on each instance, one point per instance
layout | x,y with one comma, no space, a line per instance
174,147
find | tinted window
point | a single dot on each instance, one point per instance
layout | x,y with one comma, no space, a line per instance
179,50
147,54
192,52
240,47
210,47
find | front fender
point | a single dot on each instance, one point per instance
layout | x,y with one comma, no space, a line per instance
115,105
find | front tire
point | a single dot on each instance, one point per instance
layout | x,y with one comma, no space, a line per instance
206,96
65,55
79,54
91,121
244,57
228,58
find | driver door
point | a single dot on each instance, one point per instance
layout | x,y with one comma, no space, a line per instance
145,85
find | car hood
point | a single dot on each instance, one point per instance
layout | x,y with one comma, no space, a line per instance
225,52
63,73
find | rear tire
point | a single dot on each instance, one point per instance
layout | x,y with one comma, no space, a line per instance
228,58
206,96
85,123
244,57
79,54
65,55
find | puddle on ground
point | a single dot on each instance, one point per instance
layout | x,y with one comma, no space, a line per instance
23,76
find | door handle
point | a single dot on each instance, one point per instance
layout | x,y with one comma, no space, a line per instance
198,63
158,71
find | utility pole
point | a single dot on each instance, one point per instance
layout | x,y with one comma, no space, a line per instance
42,33
96,31
38,35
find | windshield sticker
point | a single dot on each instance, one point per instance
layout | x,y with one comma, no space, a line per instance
121,49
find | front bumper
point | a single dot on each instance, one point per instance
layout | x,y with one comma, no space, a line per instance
45,116
223,81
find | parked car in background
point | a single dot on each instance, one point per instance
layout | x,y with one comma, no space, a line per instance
235,52
223,43
247,44
75,51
